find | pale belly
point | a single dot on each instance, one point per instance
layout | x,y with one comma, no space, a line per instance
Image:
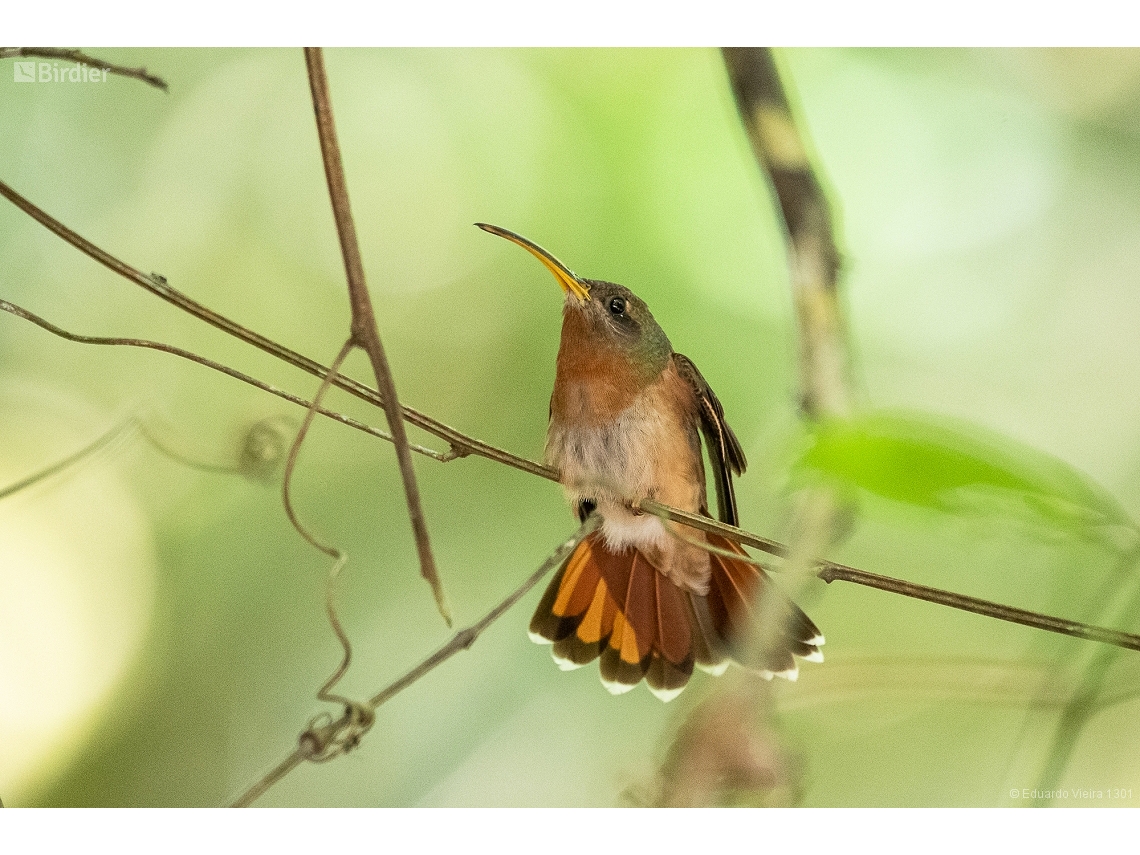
646,451
619,459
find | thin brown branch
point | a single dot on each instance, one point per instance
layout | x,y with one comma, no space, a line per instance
708,524
365,333
830,571
20,312
295,450
840,572
338,556
276,774
704,545
157,285
179,457
101,442
80,57
461,640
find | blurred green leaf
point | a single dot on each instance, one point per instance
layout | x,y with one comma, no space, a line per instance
958,468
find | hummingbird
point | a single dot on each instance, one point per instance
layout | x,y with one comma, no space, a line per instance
645,596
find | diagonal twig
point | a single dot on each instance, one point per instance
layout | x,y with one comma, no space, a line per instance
116,341
158,286
841,573
461,640
80,57
365,333
60,465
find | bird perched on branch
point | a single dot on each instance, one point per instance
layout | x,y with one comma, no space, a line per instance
645,595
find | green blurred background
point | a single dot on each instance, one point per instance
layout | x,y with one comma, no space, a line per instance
162,628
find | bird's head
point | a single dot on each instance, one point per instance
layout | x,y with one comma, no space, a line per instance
601,316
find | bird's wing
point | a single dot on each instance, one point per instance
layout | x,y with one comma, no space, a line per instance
725,453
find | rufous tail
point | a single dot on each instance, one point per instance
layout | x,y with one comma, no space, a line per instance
617,606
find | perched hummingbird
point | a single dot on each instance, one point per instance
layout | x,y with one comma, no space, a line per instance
626,417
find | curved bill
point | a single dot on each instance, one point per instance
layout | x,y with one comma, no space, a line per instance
570,283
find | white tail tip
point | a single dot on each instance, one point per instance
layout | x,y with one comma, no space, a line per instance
716,670
666,695
564,664
616,688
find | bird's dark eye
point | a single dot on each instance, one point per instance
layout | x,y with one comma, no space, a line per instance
585,508
617,306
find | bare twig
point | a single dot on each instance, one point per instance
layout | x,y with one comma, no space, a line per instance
80,57
708,524
101,442
179,457
839,572
365,333
338,556
157,285
461,640
269,779
830,571
704,545
104,440
20,312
